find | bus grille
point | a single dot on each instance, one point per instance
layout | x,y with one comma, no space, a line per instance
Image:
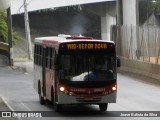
86,93
96,99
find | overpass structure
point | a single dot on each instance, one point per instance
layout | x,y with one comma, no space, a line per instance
112,12
17,5
121,12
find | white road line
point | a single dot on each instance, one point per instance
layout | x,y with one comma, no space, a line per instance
5,101
28,109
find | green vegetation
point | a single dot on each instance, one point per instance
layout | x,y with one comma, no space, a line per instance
4,29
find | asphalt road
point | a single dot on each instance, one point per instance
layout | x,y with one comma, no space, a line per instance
133,95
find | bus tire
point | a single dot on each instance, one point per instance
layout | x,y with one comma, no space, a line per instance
41,99
58,107
103,107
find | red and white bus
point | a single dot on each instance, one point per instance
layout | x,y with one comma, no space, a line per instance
71,70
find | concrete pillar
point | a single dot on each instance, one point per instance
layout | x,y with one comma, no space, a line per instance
108,19
130,12
4,4
106,22
119,12
131,21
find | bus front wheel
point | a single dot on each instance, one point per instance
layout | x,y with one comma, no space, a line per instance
103,107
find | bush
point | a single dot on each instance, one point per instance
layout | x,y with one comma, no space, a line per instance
4,29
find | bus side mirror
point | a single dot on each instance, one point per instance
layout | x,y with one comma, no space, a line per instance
118,62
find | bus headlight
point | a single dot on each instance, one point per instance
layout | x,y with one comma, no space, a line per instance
62,89
114,88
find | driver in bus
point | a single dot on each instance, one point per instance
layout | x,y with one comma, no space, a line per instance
100,63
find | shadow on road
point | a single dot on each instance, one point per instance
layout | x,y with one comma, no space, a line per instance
81,111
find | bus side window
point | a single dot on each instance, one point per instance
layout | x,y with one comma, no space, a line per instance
49,57
46,57
52,58
36,54
35,46
40,56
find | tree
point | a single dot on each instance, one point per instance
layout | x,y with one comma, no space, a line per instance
146,8
4,29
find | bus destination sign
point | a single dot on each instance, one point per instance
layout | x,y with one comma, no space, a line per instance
73,46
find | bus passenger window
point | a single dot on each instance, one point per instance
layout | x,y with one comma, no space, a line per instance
40,56
35,53
51,57
47,57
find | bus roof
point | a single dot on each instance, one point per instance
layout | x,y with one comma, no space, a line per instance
65,38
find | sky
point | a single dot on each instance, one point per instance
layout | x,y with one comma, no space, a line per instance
17,5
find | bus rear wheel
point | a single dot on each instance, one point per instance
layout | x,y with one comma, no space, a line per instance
103,107
41,99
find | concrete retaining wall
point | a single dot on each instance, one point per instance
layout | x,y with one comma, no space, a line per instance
146,69
3,61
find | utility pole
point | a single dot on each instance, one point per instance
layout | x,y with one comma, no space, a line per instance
27,29
9,22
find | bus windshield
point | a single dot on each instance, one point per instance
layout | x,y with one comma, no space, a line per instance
87,67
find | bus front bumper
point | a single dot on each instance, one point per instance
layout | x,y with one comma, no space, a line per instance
68,99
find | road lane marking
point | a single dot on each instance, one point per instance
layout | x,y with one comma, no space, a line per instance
28,109
5,101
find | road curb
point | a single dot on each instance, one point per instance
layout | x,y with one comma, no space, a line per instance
24,67
19,68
